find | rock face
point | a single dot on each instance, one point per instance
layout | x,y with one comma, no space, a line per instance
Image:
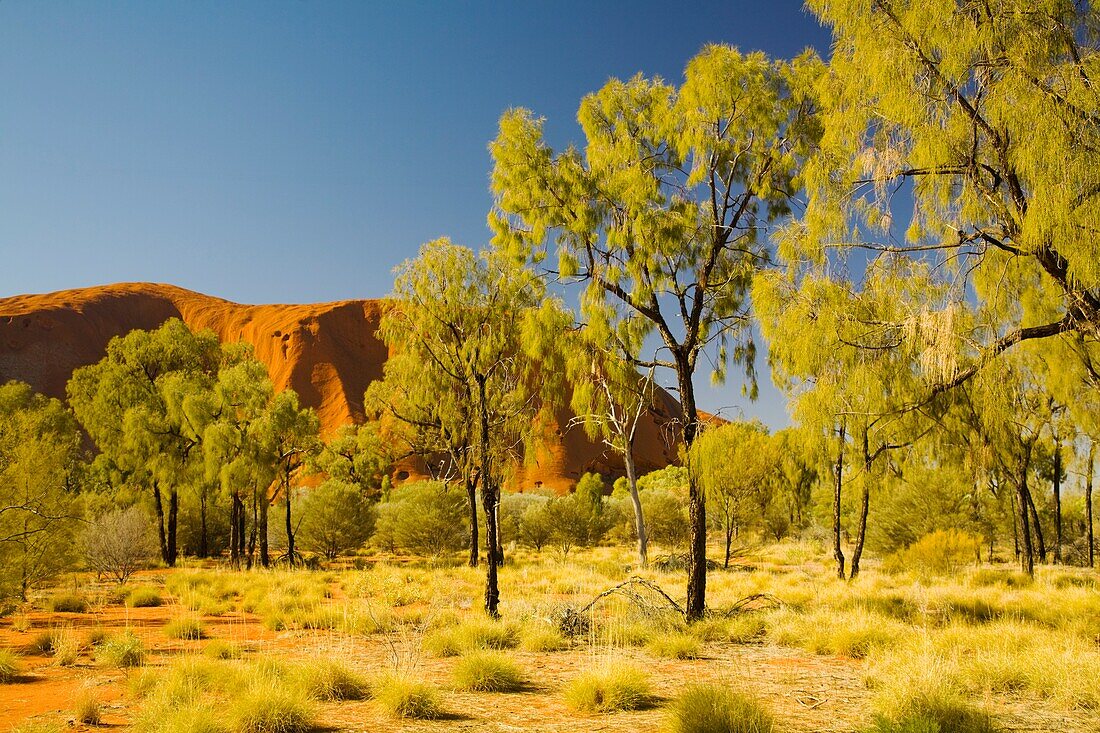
327,352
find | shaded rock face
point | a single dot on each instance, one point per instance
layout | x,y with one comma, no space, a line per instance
326,352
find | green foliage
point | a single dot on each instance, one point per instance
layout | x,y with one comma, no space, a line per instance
670,478
403,697
710,708
40,469
335,518
590,488
610,689
666,517
481,671
566,521
426,518
942,552
358,455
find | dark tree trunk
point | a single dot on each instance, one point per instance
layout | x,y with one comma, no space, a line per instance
252,533
729,542
173,515
235,529
1038,529
489,499
263,507
1027,557
1014,501
838,552
500,535
289,526
1058,503
697,505
242,521
162,536
471,494
204,542
1088,505
864,503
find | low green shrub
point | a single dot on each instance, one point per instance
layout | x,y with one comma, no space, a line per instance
471,635
943,552
709,708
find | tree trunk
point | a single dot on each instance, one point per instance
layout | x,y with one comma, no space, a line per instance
173,515
1088,505
1014,501
289,525
489,499
252,533
864,502
204,546
1027,558
1057,503
729,542
697,504
1041,544
263,507
235,515
162,536
838,553
471,494
636,501
242,521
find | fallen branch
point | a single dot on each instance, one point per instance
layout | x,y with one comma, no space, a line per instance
626,588
755,602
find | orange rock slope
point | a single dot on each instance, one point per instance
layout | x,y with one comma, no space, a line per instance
327,352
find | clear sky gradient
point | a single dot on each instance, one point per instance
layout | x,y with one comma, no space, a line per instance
298,151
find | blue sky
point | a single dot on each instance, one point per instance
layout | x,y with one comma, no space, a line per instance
298,151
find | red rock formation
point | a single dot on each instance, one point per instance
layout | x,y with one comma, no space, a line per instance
327,352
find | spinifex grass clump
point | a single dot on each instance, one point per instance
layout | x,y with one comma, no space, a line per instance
9,665
675,646
144,597
66,647
121,650
470,635
403,697
270,707
486,671
185,627
610,689
88,708
221,649
330,680
68,603
709,708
